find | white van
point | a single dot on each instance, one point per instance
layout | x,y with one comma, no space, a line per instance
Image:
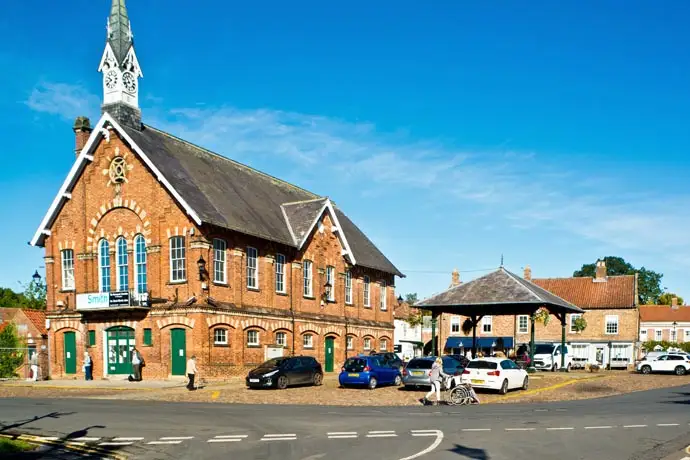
547,357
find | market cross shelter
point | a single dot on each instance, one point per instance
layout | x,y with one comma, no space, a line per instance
157,243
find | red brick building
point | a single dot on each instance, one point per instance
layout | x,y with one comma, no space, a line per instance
31,328
665,323
155,242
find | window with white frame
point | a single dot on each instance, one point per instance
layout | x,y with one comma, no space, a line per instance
454,324
219,265
252,268
367,343
366,291
487,324
523,324
104,266
330,280
122,264
348,287
67,260
307,290
220,336
673,335
573,317
349,342
140,264
658,335
643,335
178,264
253,338
382,300
687,335
281,339
611,324
308,341
280,273
383,345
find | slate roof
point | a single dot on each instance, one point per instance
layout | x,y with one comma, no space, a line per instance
231,195
664,314
615,292
499,292
120,38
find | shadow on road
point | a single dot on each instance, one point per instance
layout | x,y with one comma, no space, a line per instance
470,452
4,428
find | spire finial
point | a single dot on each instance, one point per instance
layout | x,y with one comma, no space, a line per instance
501,260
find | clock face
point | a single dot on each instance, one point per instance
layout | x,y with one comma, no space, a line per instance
110,79
129,82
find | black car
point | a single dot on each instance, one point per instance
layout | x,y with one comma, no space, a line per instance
463,360
283,372
389,359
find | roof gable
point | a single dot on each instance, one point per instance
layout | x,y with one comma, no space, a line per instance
615,292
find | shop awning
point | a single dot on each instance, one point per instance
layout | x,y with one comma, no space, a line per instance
482,342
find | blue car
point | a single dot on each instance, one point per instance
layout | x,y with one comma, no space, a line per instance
369,371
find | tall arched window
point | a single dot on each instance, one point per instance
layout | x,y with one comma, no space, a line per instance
122,265
104,266
140,264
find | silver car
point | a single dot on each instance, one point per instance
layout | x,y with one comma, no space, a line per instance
416,372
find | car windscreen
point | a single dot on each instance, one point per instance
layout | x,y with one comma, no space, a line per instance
355,365
451,364
420,364
482,365
543,349
275,362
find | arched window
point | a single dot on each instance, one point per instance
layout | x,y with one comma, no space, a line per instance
104,265
367,343
122,264
308,341
253,338
383,344
140,264
281,339
349,342
220,336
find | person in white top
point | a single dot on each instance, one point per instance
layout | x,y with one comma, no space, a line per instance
191,372
137,364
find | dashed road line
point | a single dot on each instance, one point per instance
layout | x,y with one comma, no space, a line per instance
342,434
177,438
424,432
476,429
667,424
381,434
228,438
279,437
634,426
520,429
158,443
128,439
86,439
119,443
598,427
561,428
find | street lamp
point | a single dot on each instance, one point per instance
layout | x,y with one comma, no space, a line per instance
400,300
201,263
36,277
675,339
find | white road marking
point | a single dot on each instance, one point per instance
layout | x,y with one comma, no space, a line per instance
240,436
177,438
278,439
476,429
128,439
667,424
383,435
382,432
86,439
225,440
634,426
342,436
155,443
520,429
341,433
115,443
597,427
562,428
279,435
541,410
436,443
49,438
424,432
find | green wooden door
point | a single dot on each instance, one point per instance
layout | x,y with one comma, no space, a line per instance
329,353
178,351
70,346
120,340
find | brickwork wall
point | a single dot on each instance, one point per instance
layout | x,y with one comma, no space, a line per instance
628,320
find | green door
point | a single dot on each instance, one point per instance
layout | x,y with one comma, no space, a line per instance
70,346
178,351
329,353
120,341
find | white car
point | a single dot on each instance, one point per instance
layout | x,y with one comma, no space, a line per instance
676,363
499,374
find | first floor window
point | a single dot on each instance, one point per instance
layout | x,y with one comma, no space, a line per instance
454,324
253,338
657,335
486,324
140,264
523,324
252,268
382,300
122,264
573,317
367,343
219,271
348,287
104,265
330,281
366,291
308,341
281,339
612,324
67,259
383,345
306,268
349,342
280,273
220,336
178,266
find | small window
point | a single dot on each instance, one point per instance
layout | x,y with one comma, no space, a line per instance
366,291
687,335
148,339
643,335
219,265
252,268
307,275
383,345
454,325
92,338
330,280
220,336
253,338
280,273
382,297
281,339
308,341
573,317
178,265
367,343
523,324
487,324
67,257
348,287
657,335
612,324
349,342
673,335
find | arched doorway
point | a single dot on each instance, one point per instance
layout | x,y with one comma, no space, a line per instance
120,341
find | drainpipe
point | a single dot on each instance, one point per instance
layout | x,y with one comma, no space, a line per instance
292,308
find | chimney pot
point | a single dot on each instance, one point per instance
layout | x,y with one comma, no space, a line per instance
455,278
528,273
82,130
674,302
600,273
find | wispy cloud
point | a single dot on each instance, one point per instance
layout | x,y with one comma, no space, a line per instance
65,100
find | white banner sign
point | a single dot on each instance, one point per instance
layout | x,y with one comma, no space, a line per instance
93,301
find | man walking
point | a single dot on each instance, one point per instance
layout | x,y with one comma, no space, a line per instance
191,372
137,363
88,366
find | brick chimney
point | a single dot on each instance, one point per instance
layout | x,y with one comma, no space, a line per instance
674,303
600,272
455,278
528,273
82,131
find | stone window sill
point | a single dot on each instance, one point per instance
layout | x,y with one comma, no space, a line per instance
253,346
284,294
64,291
218,283
309,297
253,289
221,345
174,283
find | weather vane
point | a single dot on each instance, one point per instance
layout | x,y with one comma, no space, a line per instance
501,260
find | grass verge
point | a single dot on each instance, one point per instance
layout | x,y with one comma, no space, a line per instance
12,446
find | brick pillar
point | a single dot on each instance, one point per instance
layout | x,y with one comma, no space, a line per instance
82,130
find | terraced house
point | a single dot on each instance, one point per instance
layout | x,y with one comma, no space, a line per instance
157,243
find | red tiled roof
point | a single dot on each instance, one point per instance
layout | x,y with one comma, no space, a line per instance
615,292
664,313
38,318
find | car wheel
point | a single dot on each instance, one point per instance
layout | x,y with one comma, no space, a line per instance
646,369
397,381
525,383
372,383
318,379
567,369
504,387
680,370
554,368
282,382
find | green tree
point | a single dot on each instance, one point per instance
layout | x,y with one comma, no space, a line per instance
667,299
35,295
11,353
648,281
11,299
416,314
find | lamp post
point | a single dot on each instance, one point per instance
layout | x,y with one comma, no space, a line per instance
201,263
36,277
675,338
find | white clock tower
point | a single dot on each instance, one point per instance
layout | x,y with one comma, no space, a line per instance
120,69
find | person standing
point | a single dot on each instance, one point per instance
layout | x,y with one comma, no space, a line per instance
88,366
34,366
191,372
435,377
137,364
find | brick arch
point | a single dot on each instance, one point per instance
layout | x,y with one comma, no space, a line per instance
67,324
282,325
385,337
254,323
222,319
309,331
332,330
118,203
175,320
129,324
309,327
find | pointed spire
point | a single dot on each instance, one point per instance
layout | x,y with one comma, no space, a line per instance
120,34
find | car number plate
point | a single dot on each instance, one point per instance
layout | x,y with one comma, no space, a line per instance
417,373
477,381
353,375
253,380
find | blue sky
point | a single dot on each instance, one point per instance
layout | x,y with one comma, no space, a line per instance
553,133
